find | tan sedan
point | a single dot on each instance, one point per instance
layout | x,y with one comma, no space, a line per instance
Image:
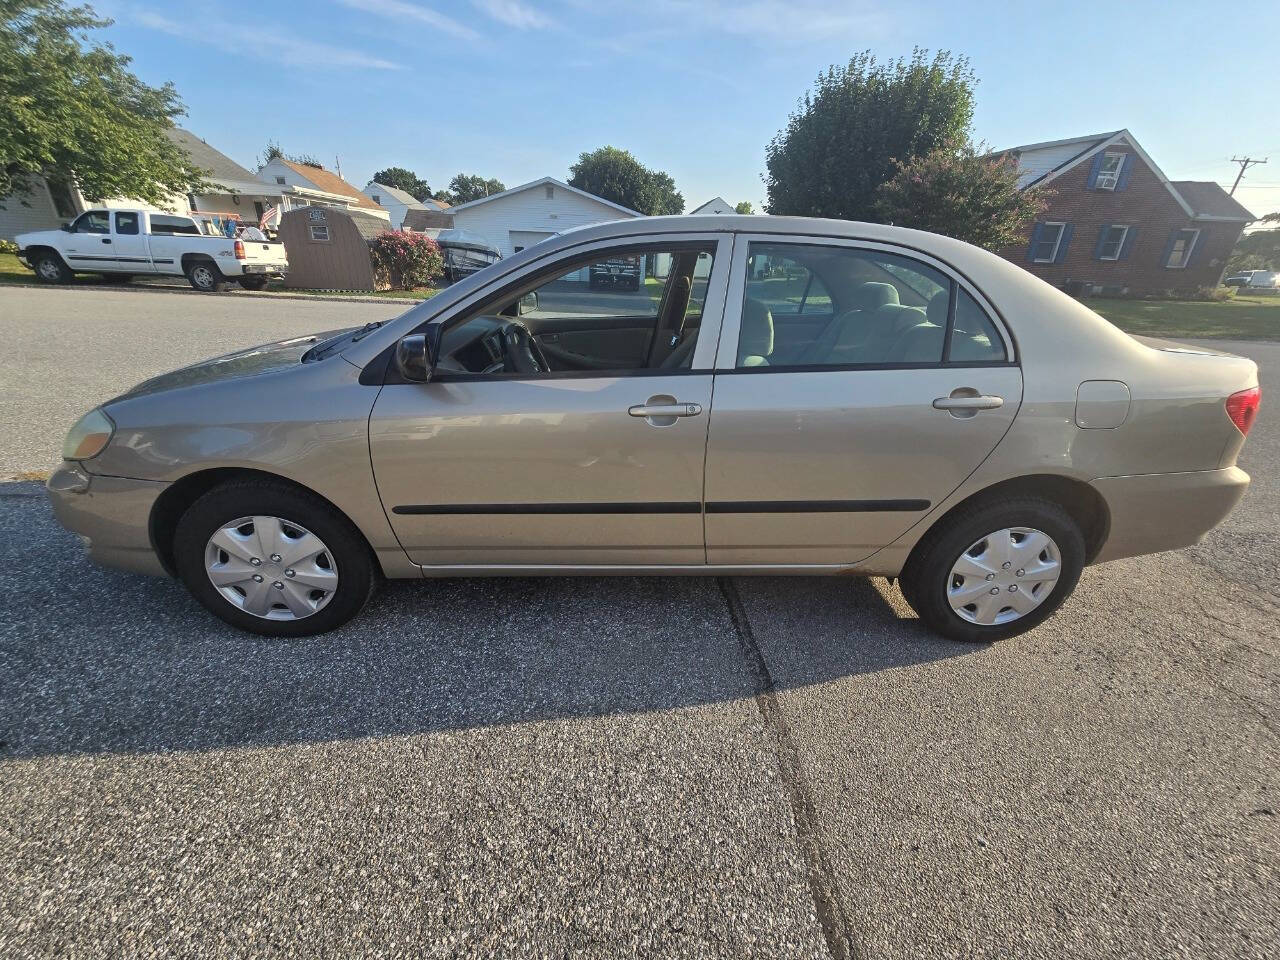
779,396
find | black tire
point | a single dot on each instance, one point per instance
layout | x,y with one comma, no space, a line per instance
50,268
926,577
357,572
205,276
253,282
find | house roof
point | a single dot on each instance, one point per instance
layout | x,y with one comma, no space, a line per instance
223,170
330,183
1200,201
1210,201
714,201
403,196
538,183
427,219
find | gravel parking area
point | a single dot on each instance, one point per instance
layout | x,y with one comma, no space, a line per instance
601,767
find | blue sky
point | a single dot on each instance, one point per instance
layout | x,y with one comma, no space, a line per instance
516,89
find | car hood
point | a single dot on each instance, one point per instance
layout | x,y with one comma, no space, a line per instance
234,366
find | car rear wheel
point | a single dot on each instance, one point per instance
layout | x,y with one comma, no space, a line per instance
205,276
995,570
274,560
49,268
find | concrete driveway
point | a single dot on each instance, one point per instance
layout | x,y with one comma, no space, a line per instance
602,767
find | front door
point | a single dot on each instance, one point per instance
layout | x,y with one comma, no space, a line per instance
861,387
564,425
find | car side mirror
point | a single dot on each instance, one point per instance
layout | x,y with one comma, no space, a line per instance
414,358
528,303
66,227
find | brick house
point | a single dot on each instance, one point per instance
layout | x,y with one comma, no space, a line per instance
1117,225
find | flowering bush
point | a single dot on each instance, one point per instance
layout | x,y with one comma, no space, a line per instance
405,261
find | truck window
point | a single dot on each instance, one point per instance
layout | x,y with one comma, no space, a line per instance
170,225
126,223
95,221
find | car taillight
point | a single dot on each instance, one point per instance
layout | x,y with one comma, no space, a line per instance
239,249
1242,408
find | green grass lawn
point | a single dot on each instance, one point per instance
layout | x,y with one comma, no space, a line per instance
11,271
1242,318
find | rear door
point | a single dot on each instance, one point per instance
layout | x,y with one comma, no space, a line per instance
827,444
129,243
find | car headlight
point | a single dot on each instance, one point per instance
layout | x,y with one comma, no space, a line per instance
89,437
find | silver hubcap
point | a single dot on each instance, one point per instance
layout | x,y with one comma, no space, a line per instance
49,270
1004,576
203,276
271,568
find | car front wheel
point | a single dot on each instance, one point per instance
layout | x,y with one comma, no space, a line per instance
995,570
274,560
50,268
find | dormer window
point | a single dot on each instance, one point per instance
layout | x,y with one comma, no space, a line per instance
551,192
1109,172
280,180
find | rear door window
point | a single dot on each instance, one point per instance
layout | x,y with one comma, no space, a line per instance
126,223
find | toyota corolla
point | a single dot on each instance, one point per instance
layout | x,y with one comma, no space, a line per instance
779,396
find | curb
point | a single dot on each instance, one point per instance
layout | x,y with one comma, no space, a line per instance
258,294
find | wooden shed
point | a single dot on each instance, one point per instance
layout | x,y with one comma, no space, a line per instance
329,248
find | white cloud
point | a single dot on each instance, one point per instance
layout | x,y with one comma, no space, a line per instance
261,42
404,10
513,13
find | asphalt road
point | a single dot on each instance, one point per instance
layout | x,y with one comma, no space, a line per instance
602,767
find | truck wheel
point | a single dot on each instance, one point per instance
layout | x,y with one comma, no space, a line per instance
253,283
205,276
49,268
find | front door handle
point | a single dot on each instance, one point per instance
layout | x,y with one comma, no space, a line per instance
665,410
979,402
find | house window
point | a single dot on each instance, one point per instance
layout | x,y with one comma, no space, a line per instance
1112,242
1109,172
320,232
280,180
1184,242
377,198
64,203
1046,248
551,192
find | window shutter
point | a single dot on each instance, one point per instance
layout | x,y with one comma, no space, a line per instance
1035,239
1102,239
1126,168
1128,243
1168,248
1093,171
1065,242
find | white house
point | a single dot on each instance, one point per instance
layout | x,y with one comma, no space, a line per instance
715,205
305,185
395,201
520,217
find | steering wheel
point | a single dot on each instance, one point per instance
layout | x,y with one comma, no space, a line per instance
520,351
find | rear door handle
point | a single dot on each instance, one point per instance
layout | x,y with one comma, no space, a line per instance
106,239
980,402
665,410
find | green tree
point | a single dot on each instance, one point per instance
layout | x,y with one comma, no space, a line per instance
960,191
744,207
843,139
405,180
618,176
1259,250
72,108
466,187
273,151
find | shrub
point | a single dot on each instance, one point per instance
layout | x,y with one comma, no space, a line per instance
405,261
1216,294
8,246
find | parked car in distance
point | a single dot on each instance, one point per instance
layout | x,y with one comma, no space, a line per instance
618,272
122,244
1254,279
878,401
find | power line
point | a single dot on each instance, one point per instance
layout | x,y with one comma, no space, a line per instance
1245,164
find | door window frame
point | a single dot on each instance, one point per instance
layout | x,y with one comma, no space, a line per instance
540,269
727,355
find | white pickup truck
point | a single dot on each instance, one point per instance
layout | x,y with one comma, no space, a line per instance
126,243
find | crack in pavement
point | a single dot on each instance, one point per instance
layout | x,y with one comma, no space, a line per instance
823,886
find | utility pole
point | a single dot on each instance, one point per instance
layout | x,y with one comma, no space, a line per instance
338,163
1245,164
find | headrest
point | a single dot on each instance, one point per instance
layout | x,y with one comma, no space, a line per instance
937,309
756,336
869,295
895,316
